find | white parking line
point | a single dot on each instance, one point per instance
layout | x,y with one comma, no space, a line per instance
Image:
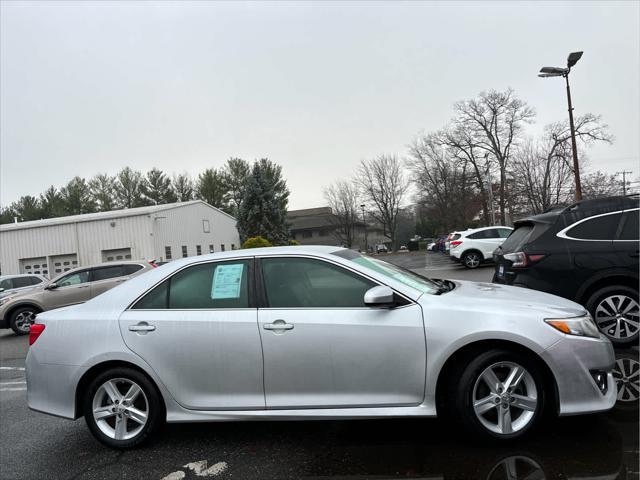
12,368
21,382
19,389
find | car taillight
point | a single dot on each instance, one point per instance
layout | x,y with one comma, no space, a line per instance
521,259
34,332
455,243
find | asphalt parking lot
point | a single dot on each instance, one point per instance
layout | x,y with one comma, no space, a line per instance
37,446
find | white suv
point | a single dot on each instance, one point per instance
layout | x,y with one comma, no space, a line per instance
475,246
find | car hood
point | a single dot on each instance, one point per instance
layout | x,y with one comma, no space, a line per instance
507,298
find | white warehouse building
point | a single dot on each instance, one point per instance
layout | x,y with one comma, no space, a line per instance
160,233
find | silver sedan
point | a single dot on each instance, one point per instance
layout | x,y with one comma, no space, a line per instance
314,333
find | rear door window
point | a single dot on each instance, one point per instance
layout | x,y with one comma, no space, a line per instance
603,227
630,226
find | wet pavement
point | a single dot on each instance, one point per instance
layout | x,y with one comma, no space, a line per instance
37,446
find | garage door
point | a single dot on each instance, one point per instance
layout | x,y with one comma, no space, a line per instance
37,266
116,254
62,263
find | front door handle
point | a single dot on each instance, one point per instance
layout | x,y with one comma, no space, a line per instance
142,328
278,325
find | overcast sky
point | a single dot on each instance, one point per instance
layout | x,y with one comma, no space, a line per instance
94,87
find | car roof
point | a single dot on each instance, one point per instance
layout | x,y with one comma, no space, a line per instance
585,208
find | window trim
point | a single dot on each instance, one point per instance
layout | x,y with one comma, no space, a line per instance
250,286
261,292
563,233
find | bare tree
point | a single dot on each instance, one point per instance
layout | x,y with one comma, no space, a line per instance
342,198
495,121
443,182
599,184
382,182
543,169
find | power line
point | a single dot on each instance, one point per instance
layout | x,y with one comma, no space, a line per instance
624,180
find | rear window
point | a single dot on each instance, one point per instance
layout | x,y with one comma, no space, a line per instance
456,236
518,238
630,226
131,268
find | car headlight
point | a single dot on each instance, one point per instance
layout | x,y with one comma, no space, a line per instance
582,326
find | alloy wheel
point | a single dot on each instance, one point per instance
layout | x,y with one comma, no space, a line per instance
472,260
505,398
626,373
515,467
24,320
120,408
618,316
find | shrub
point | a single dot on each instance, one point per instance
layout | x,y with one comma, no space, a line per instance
256,242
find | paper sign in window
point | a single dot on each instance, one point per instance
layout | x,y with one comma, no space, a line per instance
227,281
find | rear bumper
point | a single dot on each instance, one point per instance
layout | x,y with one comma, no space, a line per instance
51,388
572,360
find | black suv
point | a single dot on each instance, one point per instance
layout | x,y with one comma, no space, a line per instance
587,252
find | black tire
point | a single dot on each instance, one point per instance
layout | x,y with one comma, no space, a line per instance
472,259
625,337
18,318
625,373
156,411
464,383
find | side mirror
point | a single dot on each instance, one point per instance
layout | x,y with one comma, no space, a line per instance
51,286
380,296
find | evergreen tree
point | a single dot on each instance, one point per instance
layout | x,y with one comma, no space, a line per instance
211,188
182,187
51,203
236,173
7,214
157,188
103,189
27,208
263,211
76,197
129,188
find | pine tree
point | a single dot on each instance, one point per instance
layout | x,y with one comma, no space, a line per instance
236,173
157,188
76,197
27,208
263,211
183,187
129,189
211,188
51,203
103,191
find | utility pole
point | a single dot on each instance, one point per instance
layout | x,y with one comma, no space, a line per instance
364,221
490,191
624,180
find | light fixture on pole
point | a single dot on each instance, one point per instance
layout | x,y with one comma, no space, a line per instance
564,72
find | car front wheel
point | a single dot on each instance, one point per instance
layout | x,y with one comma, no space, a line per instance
616,311
21,320
500,394
122,408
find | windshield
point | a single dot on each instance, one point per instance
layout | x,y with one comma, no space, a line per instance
402,275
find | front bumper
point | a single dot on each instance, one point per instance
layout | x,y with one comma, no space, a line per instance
572,360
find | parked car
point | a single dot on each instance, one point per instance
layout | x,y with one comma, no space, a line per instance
75,286
381,248
587,252
12,284
476,246
403,249
340,335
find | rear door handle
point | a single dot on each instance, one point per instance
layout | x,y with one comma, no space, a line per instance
142,327
278,325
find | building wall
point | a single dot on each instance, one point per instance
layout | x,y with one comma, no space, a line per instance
146,235
184,226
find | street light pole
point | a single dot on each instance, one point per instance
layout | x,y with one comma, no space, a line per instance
574,148
364,221
564,72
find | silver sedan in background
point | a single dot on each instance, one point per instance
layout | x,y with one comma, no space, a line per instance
314,333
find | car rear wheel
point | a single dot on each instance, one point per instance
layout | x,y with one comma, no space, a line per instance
500,394
616,311
21,320
472,259
122,408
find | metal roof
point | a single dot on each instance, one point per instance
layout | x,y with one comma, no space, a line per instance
92,217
